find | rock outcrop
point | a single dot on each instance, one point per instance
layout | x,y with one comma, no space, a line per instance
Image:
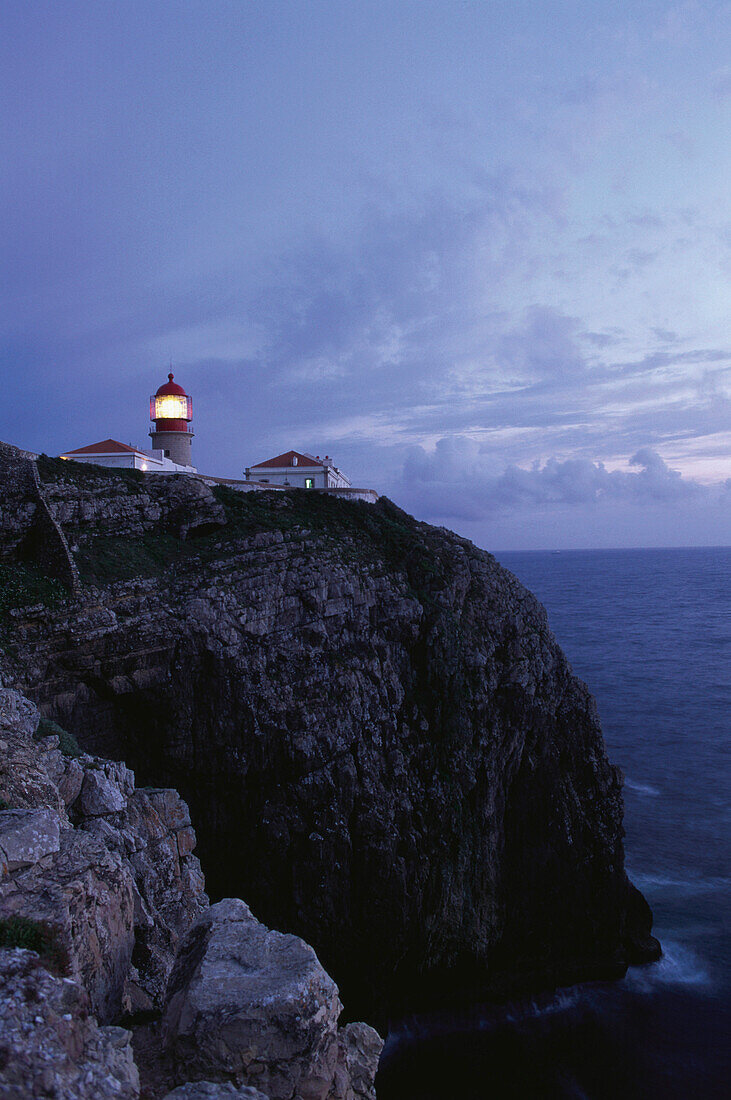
107,866
383,747
50,1046
209,1090
98,877
248,1004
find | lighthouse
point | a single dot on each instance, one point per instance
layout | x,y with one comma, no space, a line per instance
171,410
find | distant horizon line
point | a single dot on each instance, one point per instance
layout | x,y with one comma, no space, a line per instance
607,549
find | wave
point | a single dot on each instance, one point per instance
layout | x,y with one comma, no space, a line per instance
560,1001
685,887
679,965
641,788
483,1018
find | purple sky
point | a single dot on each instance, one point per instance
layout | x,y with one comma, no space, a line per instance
479,252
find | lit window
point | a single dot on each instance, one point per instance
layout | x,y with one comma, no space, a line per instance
309,483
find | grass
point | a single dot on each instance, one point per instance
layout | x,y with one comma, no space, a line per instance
381,533
85,473
371,532
35,936
23,584
67,743
107,559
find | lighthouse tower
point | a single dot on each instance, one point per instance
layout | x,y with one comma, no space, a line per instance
171,409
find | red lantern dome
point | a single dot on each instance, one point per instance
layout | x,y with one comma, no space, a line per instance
171,408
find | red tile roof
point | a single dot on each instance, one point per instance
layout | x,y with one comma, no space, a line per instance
106,447
286,460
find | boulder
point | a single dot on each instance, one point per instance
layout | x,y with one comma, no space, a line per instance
70,781
18,714
359,1050
211,1090
252,1005
49,1044
26,836
100,794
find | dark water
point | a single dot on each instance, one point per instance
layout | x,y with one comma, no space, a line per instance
650,632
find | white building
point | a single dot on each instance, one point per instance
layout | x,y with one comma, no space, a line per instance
121,456
295,469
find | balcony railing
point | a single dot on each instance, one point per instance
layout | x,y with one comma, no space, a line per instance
187,429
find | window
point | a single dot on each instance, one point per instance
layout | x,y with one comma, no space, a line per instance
294,460
309,483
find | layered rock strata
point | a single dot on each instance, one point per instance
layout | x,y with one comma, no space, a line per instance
383,747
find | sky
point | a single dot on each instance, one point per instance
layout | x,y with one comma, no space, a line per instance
478,252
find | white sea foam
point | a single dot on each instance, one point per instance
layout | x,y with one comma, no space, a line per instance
562,1000
641,788
679,965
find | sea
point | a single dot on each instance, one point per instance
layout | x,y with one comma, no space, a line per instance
650,632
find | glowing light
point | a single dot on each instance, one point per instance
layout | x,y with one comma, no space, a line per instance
171,406
144,466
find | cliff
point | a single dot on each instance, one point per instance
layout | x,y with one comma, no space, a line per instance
383,748
103,917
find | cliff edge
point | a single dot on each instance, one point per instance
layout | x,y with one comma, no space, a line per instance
383,747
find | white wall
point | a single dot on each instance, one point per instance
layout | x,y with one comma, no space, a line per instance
296,476
149,462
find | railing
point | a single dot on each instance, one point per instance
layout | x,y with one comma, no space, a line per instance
188,429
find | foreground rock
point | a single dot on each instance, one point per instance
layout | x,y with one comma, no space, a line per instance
49,1044
253,1006
99,877
109,868
208,1090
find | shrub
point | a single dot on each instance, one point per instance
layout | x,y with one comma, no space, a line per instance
108,558
35,936
86,473
24,584
67,743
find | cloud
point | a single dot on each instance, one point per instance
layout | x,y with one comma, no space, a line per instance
545,346
458,480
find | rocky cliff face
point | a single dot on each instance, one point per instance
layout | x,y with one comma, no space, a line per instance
103,917
383,748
